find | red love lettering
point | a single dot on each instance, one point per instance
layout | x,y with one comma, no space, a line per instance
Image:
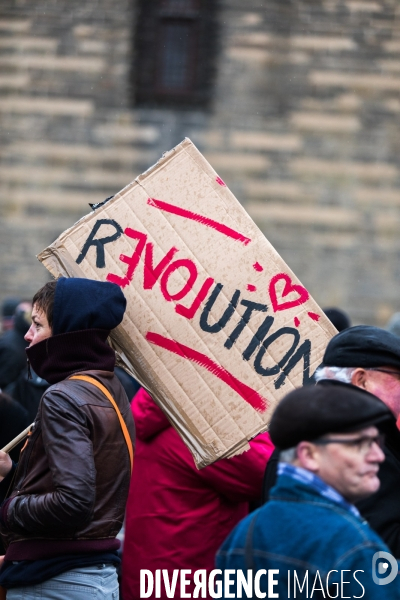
131,261
303,295
190,311
187,285
152,273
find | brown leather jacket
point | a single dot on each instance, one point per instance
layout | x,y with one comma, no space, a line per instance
71,484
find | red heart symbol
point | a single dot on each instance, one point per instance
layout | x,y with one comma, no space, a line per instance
289,287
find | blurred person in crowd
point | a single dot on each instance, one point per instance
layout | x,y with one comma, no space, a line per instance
12,345
330,456
129,383
27,390
393,325
338,318
65,501
369,358
16,380
7,313
13,419
177,516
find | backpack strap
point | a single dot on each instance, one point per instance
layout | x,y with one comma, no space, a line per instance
105,391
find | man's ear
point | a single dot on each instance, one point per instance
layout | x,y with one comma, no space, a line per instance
359,378
307,456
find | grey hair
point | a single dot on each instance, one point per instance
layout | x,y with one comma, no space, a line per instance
343,374
289,455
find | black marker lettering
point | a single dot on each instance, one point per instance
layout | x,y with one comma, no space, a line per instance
100,243
303,352
268,371
258,338
251,306
225,317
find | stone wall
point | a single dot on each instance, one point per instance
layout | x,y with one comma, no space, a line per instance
304,128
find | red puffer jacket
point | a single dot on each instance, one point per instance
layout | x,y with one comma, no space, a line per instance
177,516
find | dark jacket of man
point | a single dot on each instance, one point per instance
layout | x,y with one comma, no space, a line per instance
13,420
301,531
382,509
70,487
28,390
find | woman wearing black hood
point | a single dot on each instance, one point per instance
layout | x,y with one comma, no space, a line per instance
66,499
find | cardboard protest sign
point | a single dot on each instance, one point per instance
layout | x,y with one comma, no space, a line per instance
217,327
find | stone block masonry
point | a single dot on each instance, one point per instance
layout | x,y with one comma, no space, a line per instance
303,126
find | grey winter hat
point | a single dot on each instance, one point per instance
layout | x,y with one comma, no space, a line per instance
363,346
334,407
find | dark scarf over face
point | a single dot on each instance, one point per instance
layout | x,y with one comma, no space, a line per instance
59,356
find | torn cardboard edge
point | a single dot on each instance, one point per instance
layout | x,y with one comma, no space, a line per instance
179,202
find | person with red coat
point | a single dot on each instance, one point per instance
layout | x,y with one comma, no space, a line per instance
178,516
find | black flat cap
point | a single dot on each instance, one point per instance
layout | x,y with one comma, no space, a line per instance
334,407
363,346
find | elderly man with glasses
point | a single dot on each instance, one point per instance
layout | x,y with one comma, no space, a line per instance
369,358
309,540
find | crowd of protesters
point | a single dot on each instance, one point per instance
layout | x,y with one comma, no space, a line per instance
318,495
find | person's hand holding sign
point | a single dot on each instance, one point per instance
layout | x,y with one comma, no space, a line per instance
5,464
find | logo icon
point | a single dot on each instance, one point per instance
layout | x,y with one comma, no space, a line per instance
381,568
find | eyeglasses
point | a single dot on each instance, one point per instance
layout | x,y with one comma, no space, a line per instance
394,373
362,444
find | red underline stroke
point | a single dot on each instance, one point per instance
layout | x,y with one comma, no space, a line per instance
252,397
187,214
